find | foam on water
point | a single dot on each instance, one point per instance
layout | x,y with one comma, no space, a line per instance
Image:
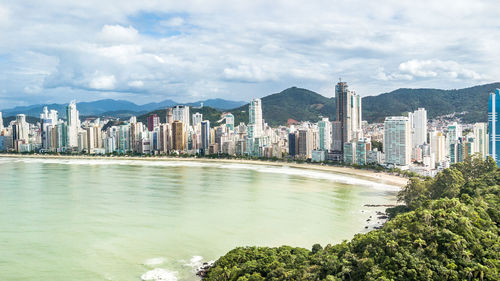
195,262
159,274
154,261
292,171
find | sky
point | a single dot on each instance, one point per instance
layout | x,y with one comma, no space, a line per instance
148,51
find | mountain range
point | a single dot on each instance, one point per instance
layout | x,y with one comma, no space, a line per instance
301,105
116,108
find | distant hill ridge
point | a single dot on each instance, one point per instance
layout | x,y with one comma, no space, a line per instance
305,105
110,107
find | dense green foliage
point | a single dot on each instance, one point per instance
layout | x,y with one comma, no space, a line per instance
447,231
474,100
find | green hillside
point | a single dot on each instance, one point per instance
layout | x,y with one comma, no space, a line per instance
474,100
295,103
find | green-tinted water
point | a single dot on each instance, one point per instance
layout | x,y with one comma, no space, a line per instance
118,219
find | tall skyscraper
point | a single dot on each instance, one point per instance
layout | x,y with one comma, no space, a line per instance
438,145
153,122
170,116
255,119
47,121
73,124
481,139
305,143
1,122
454,134
254,127
20,128
325,134
178,139
418,122
397,140
292,144
197,118
181,113
205,135
348,113
494,126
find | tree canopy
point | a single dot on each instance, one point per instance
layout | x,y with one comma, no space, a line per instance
447,230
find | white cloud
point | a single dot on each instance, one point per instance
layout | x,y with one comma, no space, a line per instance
185,50
433,68
136,83
103,82
118,34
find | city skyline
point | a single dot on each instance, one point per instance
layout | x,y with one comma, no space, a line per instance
409,142
59,51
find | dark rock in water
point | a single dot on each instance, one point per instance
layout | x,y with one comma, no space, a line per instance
384,217
202,271
368,220
366,226
379,213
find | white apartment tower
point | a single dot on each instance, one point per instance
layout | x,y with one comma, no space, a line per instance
73,124
181,113
397,141
438,145
1,122
418,121
255,119
197,118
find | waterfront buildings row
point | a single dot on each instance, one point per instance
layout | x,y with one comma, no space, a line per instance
408,142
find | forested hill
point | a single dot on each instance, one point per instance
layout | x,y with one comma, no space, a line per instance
305,105
292,103
474,100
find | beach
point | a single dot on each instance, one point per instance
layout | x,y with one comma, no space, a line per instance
381,177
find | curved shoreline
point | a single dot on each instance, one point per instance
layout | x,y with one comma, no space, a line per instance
365,174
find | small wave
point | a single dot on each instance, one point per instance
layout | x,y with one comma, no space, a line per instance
159,274
154,261
195,262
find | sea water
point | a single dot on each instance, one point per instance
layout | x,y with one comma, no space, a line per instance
76,219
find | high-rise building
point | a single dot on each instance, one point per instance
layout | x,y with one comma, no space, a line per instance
454,134
494,126
480,139
438,145
170,117
292,144
197,118
255,125
255,119
325,134
47,121
418,122
1,122
305,143
153,122
20,128
178,139
73,124
205,135
397,140
181,113
336,136
348,113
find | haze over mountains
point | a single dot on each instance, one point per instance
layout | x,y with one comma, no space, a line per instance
301,105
